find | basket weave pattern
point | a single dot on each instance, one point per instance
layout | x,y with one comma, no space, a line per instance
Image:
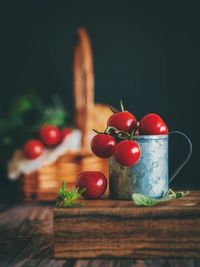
43,184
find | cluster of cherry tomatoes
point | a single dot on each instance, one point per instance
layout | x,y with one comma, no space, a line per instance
118,138
49,135
118,141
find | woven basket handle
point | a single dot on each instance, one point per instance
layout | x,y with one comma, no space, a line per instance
83,85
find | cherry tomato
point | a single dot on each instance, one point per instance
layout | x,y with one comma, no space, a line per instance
127,153
152,124
103,145
123,121
65,132
94,182
33,149
50,135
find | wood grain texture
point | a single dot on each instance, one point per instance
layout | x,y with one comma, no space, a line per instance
109,228
26,239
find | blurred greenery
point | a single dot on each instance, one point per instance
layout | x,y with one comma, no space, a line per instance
21,118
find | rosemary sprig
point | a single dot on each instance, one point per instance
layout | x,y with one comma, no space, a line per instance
68,199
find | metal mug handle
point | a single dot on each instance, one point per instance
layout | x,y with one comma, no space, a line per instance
180,167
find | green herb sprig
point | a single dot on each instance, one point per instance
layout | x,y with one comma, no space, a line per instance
142,200
68,199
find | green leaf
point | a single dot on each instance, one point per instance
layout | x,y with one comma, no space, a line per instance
142,200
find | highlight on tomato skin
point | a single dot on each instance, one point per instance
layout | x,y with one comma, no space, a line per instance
50,135
152,124
127,153
123,121
94,183
103,145
33,149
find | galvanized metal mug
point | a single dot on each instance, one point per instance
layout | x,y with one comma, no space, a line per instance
150,175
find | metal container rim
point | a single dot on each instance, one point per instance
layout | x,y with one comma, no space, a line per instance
150,137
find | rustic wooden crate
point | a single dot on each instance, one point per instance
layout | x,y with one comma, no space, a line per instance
109,228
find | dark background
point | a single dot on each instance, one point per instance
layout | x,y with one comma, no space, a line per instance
145,52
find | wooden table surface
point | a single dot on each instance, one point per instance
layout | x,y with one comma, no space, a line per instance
107,228
26,239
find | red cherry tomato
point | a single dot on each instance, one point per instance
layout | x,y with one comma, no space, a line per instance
127,153
123,121
50,135
103,145
65,132
33,149
152,124
94,182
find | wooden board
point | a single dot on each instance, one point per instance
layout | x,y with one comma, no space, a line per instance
26,239
109,228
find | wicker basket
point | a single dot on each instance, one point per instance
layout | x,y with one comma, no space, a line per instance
43,184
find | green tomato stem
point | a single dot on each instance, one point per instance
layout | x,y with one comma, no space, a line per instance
107,130
124,133
114,110
97,132
121,105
